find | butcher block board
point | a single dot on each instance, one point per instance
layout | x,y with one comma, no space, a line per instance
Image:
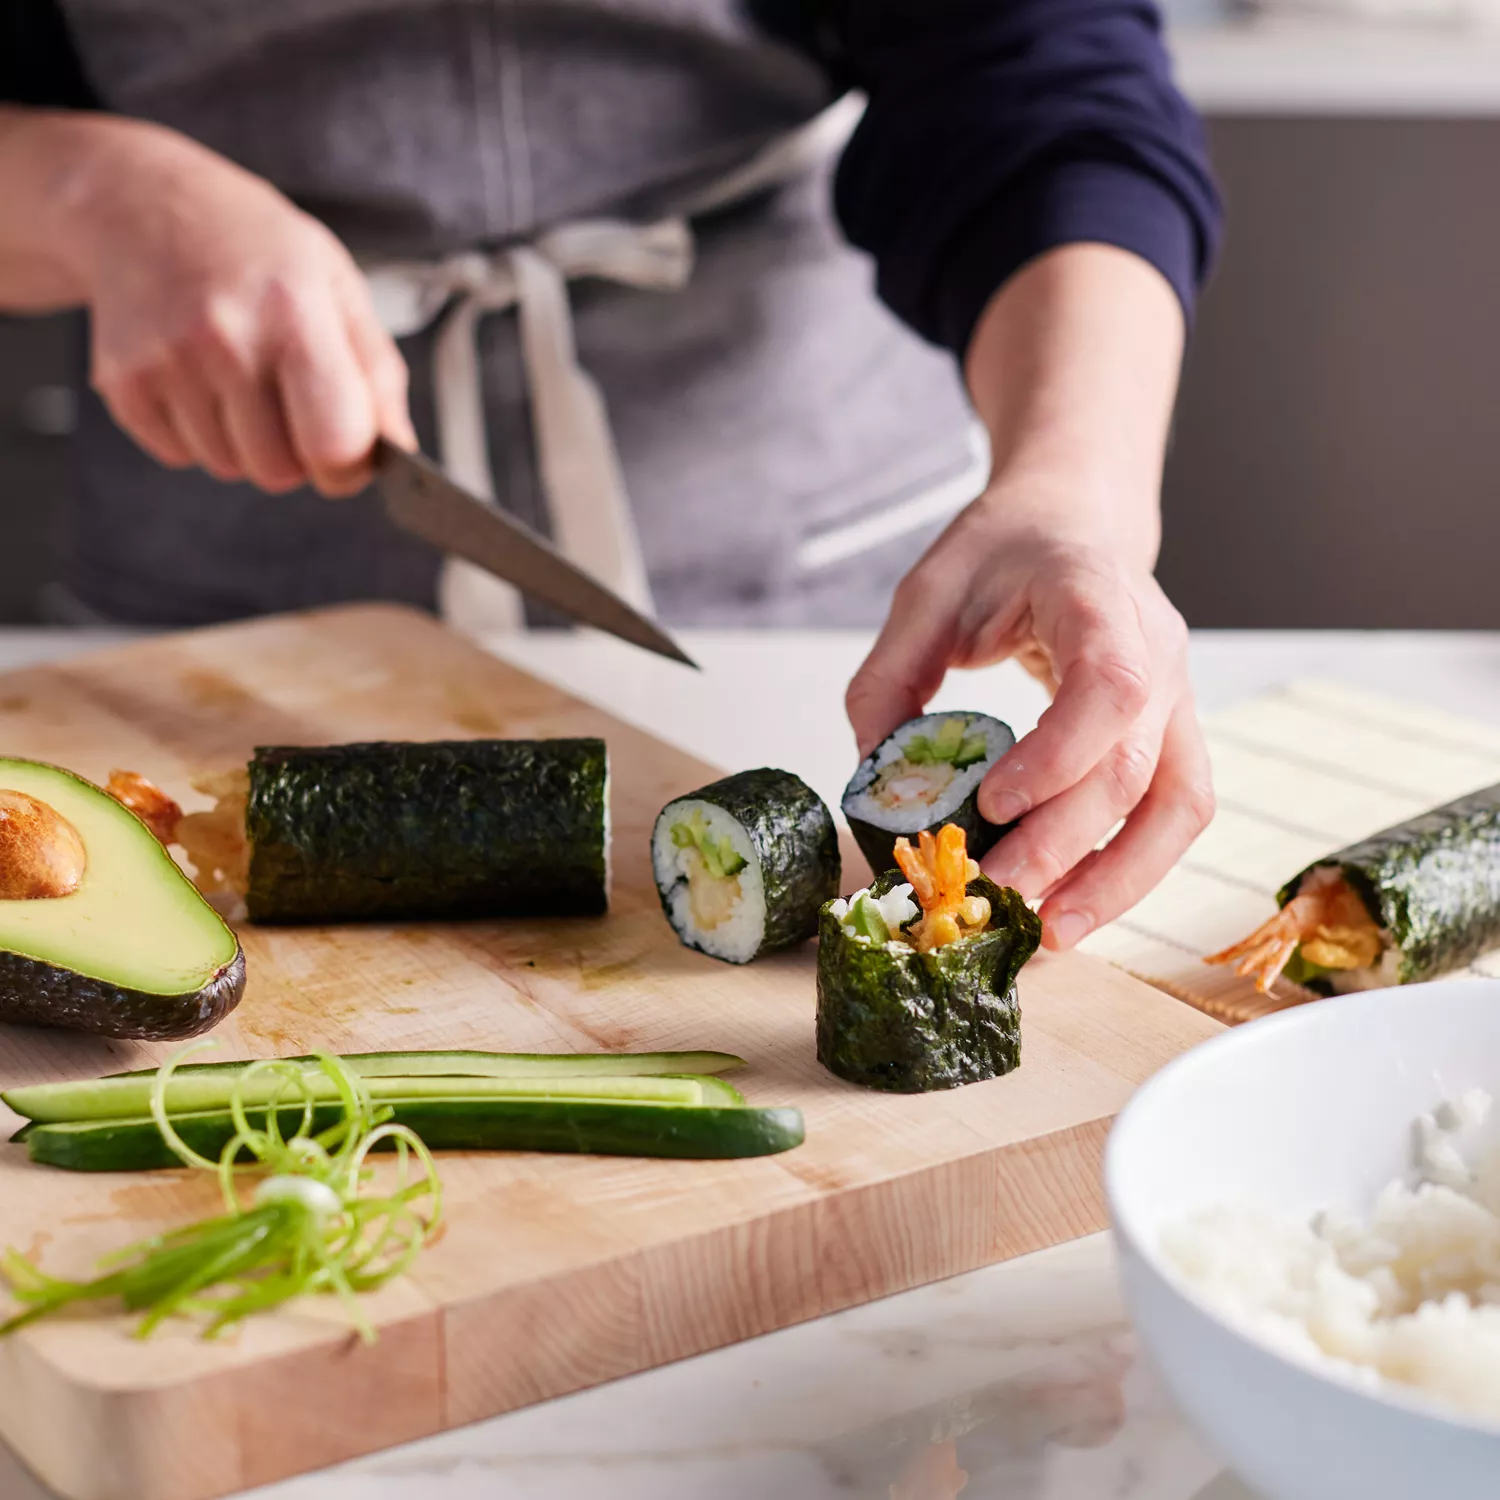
1299,772
555,1272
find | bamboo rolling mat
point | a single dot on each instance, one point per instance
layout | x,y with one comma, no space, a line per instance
1300,772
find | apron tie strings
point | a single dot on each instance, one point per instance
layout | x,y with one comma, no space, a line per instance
576,455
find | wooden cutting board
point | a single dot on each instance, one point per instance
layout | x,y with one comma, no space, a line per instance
555,1273
1300,772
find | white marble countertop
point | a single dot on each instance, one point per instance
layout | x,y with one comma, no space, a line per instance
1027,1367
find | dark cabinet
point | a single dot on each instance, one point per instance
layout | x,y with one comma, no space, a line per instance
35,414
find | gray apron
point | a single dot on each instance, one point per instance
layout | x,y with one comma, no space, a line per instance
787,447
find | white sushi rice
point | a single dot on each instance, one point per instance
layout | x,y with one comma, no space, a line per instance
1379,976
738,937
1408,1298
915,788
896,909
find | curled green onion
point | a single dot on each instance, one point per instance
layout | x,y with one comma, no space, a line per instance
312,1224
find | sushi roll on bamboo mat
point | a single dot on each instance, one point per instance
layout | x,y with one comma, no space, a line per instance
1409,903
744,865
924,774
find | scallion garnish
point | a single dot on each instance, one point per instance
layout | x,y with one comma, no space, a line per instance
311,1225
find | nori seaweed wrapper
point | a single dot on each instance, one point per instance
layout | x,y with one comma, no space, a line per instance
878,844
910,1022
446,829
796,845
1433,883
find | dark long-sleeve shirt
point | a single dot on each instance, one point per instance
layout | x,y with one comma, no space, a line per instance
996,130
999,129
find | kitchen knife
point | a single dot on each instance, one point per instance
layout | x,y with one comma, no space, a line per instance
421,499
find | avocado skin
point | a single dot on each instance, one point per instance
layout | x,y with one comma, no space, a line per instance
34,993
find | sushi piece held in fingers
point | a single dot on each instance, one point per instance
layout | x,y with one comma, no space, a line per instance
1409,903
743,865
923,775
917,974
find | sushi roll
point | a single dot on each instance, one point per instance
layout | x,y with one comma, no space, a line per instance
743,865
917,974
395,831
926,774
1406,904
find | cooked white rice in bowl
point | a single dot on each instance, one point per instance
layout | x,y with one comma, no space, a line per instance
1404,1298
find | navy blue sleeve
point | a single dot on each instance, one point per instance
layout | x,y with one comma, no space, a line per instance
999,129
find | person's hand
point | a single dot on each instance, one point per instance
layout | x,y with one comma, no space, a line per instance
230,330
1119,741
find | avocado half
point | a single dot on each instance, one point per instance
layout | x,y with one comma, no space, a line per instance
134,950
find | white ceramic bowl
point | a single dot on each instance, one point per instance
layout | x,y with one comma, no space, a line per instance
1301,1111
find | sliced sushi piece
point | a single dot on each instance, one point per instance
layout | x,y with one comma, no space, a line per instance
926,774
744,865
916,975
397,831
1409,903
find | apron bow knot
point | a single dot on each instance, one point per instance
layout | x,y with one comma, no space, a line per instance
577,460
580,468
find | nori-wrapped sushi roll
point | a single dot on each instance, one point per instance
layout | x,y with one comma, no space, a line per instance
1404,905
444,829
923,775
397,831
899,1014
743,865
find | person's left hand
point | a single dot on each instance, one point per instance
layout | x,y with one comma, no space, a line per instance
1015,576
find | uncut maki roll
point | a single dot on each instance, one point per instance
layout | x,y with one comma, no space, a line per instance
923,775
917,974
1412,902
743,865
399,831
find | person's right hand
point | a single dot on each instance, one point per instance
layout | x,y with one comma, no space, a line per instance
230,329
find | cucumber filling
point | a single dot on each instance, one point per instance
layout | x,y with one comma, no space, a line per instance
877,919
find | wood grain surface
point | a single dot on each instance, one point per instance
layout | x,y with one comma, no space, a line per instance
555,1273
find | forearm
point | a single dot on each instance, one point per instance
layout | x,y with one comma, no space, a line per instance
66,178
39,155
1073,370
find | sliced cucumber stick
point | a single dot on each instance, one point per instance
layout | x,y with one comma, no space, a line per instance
500,1064
587,1126
130,1097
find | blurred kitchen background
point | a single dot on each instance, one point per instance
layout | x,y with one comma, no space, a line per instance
1333,462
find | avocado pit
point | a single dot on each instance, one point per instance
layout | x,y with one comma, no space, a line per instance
41,853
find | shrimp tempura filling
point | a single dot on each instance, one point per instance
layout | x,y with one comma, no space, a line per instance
1325,919
940,870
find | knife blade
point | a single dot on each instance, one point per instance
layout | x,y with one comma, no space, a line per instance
421,499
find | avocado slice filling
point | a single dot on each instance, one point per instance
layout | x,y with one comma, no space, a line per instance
713,870
927,764
130,917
